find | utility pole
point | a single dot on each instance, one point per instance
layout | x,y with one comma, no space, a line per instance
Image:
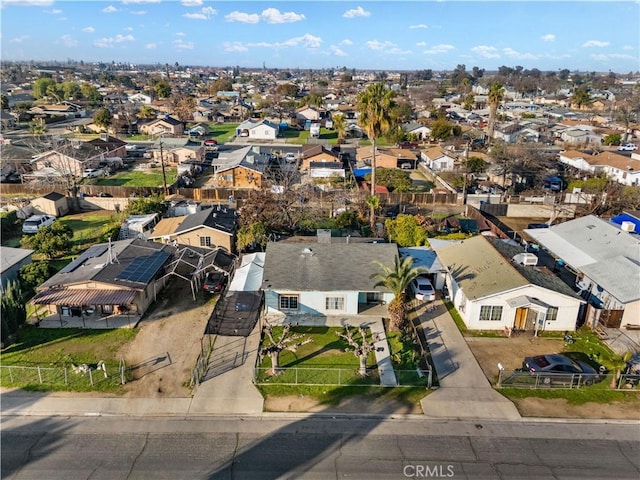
164,174
464,173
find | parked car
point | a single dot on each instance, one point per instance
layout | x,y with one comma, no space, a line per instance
559,368
406,166
627,147
36,222
92,173
631,372
214,282
423,289
290,157
210,142
408,144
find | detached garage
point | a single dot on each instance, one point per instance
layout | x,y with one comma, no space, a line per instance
53,203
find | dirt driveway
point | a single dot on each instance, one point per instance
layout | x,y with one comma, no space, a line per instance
165,350
510,352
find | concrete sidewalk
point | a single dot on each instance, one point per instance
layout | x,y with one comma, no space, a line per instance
464,390
383,354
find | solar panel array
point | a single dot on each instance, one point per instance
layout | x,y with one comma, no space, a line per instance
142,269
91,252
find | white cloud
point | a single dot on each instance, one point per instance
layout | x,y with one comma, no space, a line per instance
140,1
549,37
438,49
398,51
510,52
346,42
376,45
151,46
138,12
108,42
356,12
68,41
611,56
595,43
180,34
109,9
129,29
55,11
182,45
422,25
627,47
204,14
273,15
307,41
421,44
242,17
485,51
191,3
337,51
19,39
88,29
234,47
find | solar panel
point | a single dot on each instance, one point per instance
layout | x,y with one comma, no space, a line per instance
142,269
91,252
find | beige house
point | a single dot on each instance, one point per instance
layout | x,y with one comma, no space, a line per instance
163,126
210,228
317,153
386,157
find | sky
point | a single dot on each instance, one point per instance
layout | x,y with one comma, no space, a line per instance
580,35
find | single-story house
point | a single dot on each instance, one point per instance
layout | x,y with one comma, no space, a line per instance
618,167
11,261
308,113
418,130
607,259
121,277
178,150
209,228
493,291
165,125
53,203
258,130
438,159
317,153
242,168
328,278
386,157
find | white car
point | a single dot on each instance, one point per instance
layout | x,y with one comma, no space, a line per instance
423,289
93,173
628,147
36,222
290,158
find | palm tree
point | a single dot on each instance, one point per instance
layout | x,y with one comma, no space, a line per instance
340,125
496,94
581,97
397,279
375,105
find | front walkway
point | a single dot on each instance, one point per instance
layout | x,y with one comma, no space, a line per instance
464,390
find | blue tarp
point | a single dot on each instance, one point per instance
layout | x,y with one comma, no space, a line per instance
625,217
361,172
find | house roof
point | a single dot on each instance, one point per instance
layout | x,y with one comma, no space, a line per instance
244,157
53,196
479,269
96,264
10,256
325,267
221,219
619,276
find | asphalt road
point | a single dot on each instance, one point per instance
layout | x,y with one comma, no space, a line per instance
314,447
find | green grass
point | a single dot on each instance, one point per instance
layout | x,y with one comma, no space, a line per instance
141,137
576,396
139,179
60,347
463,328
87,228
589,348
222,132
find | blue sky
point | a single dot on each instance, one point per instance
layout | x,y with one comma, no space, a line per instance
387,35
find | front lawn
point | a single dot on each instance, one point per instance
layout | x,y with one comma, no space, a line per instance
135,178
57,348
222,132
87,227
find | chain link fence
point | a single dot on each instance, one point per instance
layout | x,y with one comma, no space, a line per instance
67,377
522,379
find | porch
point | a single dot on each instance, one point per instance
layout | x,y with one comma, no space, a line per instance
95,320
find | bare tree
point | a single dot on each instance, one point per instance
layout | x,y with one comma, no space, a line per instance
286,341
360,347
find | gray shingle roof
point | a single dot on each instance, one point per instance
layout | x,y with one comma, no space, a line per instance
223,219
325,267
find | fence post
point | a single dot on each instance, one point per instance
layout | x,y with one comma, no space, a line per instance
91,377
39,374
296,376
10,374
66,378
499,384
339,376
430,377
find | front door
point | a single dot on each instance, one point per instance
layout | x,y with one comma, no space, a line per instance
521,318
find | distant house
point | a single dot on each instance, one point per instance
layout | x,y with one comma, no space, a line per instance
140,99
317,153
209,228
178,150
163,126
53,203
438,159
492,291
257,130
308,113
386,157
11,261
328,278
112,146
420,131
620,168
580,137
64,109
123,277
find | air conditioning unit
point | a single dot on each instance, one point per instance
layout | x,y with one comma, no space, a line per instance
628,226
528,259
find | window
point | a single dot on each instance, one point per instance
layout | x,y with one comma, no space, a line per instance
334,303
205,241
229,177
288,302
489,313
552,314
